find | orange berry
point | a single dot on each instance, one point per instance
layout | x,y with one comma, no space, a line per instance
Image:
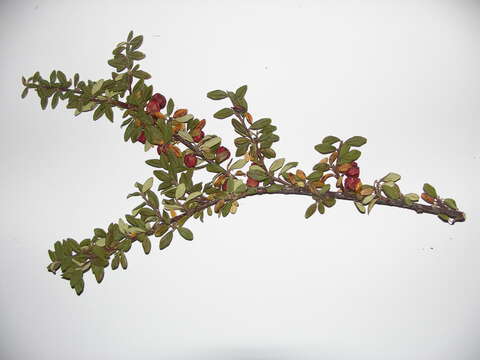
159,115
176,127
300,174
428,198
249,118
180,113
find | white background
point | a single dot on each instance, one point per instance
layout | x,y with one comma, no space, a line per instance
265,283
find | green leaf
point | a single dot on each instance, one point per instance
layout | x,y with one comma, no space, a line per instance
356,141
215,168
412,197
268,153
155,163
123,261
98,272
122,226
184,119
193,196
147,245
24,92
140,74
55,100
321,207
310,210
277,164
115,262
368,198
53,76
371,204
97,86
153,199
241,141
430,190
257,175
255,168
324,189
241,188
79,286
136,55
170,106
239,164
136,42
226,209
391,177
99,111
360,207
314,176
350,156
242,149
329,201
392,192
166,240
330,140
61,77
288,166
147,185
325,148
51,254
217,95
185,233
184,135
223,113
260,123
451,203
237,125
274,188
180,191
44,102
109,112
241,91
211,142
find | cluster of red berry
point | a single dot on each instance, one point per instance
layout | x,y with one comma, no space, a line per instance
154,106
221,154
156,103
352,182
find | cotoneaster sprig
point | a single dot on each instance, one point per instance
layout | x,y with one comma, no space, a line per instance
184,146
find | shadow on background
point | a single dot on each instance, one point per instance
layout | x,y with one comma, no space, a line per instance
253,353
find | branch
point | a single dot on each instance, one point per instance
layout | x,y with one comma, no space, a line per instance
146,123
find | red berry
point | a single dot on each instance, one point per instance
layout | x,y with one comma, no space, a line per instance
351,183
222,154
199,137
142,137
252,182
354,171
153,107
190,160
160,99
224,186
